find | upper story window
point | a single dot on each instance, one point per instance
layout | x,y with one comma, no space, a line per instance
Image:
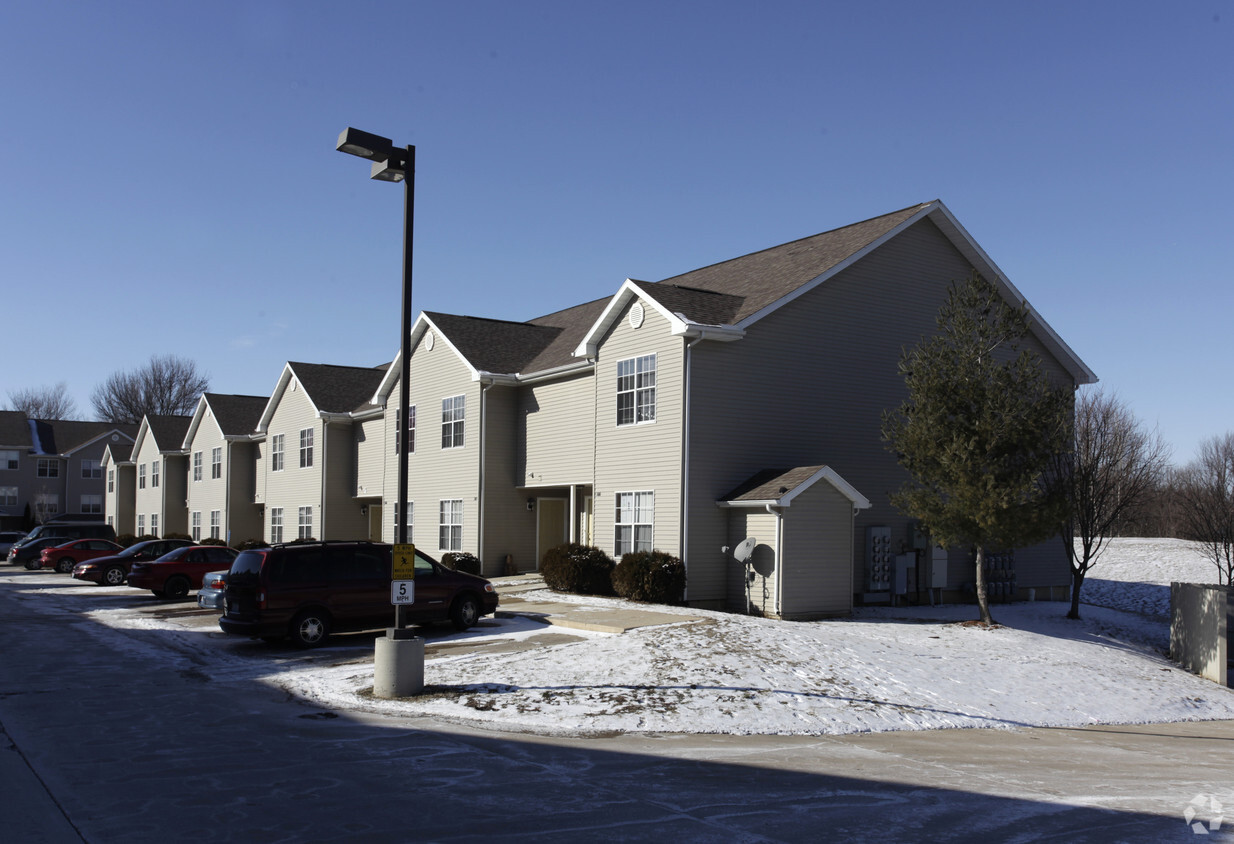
154,472
306,448
276,453
141,475
216,463
91,469
111,480
411,430
48,468
9,460
636,390
453,415
196,465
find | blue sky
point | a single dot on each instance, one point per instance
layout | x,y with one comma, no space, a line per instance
169,184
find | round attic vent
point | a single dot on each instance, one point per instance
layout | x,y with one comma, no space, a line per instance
429,340
115,438
636,315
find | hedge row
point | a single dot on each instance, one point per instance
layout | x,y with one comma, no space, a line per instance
650,576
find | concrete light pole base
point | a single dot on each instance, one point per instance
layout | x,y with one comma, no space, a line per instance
398,665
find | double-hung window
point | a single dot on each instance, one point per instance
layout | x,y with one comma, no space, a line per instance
636,390
453,416
634,522
450,525
91,469
411,430
154,473
276,453
48,468
305,527
411,520
216,463
196,465
141,524
141,475
111,480
9,460
195,530
216,519
8,496
276,525
154,524
306,448
92,504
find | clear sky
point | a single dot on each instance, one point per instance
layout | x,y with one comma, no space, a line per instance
169,184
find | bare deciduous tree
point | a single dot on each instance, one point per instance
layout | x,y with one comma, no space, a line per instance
166,385
1205,490
47,403
1116,466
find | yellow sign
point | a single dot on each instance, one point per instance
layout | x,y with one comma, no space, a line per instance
404,557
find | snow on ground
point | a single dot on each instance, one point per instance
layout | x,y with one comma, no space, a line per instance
882,669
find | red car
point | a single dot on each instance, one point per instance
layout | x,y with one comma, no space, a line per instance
64,557
176,572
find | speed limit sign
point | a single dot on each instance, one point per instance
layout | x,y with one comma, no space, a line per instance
402,592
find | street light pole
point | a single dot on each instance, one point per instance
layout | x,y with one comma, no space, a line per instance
399,661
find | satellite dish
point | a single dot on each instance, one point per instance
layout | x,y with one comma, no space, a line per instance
744,549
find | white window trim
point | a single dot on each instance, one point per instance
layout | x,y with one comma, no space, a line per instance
637,508
638,390
304,526
276,522
447,511
197,466
277,457
216,466
454,419
306,448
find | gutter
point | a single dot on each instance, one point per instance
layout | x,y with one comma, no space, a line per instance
685,470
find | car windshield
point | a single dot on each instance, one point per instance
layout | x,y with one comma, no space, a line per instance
132,550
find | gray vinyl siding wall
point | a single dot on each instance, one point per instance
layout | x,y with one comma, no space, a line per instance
816,551
174,482
760,592
341,517
557,434
809,384
241,518
643,457
509,527
293,487
437,473
118,504
371,455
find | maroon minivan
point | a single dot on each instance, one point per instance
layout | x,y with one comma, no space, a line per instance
307,590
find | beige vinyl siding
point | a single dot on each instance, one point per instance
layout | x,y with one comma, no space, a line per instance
644,457
293,487
371,455
557,431
761,590
509,527
119,503
816,550
809,384
167,499
209,493
436,473
174,483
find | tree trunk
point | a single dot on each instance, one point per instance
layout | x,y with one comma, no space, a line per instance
1077,580
983,598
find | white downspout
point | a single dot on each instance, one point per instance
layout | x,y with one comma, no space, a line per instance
685,472
325,464
779,514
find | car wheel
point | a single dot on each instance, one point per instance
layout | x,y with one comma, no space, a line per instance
176,588
65,565
33,565
113,576
465,612
309,629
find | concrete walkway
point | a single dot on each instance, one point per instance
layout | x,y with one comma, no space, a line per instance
513,592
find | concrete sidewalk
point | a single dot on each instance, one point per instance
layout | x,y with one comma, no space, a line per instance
513,592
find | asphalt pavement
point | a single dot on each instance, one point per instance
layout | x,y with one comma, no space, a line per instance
114,735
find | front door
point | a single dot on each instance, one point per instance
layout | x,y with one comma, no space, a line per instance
374,523
552,524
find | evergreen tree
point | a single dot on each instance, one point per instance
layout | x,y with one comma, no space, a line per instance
980,430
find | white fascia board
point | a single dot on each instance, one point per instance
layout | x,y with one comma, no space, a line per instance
275,396
971,250
628,291
195,423
826,473
840,267
142,431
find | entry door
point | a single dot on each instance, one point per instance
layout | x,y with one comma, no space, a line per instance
374,523
551,525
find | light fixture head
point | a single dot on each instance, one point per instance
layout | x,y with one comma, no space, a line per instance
364,144
389,170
